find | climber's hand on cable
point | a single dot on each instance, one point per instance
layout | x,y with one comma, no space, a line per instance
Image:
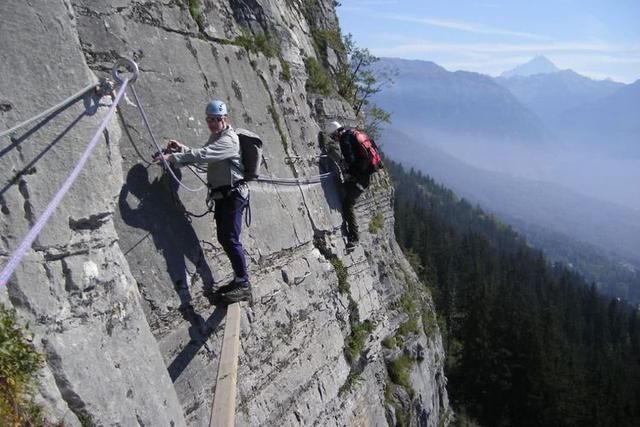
158,157
175,145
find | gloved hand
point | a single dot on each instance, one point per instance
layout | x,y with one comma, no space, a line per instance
174,146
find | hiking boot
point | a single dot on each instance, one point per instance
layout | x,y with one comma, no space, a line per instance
241,292
226,288
215,295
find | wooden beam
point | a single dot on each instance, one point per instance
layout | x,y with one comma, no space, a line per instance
223,413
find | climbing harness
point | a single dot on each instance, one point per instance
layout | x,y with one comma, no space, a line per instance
26,243
221,193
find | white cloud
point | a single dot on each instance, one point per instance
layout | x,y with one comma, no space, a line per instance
425,46
365,5
469,27
373,2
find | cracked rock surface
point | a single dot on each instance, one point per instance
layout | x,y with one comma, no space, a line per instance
114,287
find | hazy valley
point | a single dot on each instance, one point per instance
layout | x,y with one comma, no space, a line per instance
513,144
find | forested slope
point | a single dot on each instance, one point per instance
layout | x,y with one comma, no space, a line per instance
527,342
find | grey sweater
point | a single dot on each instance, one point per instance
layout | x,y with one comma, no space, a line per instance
221,153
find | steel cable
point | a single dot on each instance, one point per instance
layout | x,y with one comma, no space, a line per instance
315,179
45,113
26,243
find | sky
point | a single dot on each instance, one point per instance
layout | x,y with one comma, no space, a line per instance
596,38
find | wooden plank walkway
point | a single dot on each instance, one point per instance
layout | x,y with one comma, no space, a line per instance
223,412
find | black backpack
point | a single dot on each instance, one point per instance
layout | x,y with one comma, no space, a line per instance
250,153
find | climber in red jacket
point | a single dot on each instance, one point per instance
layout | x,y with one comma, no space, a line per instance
361,159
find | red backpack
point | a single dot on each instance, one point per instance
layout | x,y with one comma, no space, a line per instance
367,152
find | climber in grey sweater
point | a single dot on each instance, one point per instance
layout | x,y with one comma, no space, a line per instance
225,178
221,153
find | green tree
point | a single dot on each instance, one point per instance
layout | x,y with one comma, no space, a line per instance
357,82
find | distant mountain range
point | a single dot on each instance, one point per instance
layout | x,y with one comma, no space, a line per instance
462,102
549,95
600,114
534,137
533,103
611,122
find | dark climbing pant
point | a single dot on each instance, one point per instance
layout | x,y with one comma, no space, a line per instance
353,188
228,216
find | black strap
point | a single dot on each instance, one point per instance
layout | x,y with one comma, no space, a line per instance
247,212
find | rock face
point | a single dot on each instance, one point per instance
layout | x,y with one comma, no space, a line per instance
113,287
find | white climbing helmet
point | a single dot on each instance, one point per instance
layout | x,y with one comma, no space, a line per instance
332,127
216,108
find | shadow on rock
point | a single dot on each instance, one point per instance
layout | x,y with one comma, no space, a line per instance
199,336
330,162
161,213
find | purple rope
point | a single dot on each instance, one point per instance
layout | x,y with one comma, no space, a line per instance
25,245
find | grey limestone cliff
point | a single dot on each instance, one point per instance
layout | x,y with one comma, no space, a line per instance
113,288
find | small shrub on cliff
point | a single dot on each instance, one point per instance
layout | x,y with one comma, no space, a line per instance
285,74
376,223
352,379
262,42
318,81
399,371
196,13
342,273
389,342
408,304
19,363
266,45
327,39
408,327
355,342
